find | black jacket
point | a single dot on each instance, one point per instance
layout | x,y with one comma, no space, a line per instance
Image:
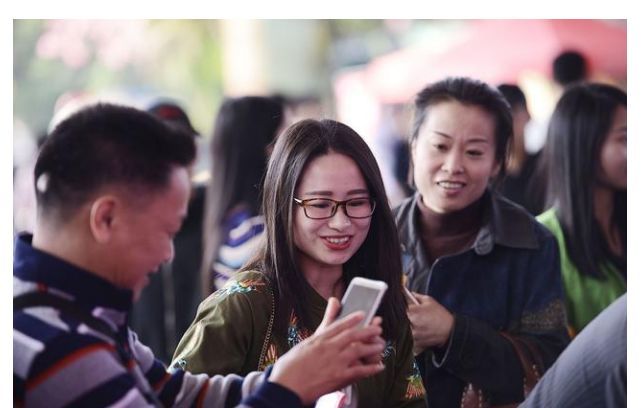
508,280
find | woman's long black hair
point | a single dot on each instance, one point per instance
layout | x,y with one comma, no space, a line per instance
244,129
378,257
578,129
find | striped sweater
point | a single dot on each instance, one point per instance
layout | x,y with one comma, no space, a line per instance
243,235
59,361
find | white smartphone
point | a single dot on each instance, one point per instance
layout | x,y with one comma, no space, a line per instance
365,295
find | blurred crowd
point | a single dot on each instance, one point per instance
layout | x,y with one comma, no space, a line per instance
499,258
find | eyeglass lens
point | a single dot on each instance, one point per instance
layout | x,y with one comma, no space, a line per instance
325,208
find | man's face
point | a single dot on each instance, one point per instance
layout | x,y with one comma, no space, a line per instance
143,241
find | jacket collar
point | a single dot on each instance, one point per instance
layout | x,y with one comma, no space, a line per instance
506,224
49,272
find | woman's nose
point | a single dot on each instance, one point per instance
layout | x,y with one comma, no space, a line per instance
453,163
340,219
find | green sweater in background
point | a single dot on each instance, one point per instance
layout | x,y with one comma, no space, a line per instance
586,296
228,335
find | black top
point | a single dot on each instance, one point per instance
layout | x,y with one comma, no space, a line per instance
526,188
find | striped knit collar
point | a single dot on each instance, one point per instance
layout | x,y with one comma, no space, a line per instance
33,265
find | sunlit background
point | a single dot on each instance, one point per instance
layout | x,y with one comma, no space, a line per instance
362,72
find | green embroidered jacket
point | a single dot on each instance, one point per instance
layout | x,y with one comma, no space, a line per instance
228,335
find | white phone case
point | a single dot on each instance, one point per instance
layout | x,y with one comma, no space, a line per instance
365,295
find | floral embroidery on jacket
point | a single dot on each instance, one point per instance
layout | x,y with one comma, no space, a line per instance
243,286
415,386
295,334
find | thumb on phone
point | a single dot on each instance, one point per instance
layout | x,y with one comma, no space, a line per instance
332,310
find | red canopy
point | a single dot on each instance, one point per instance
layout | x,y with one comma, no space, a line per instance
499,51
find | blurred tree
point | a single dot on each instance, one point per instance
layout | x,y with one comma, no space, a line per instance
34,90
137,60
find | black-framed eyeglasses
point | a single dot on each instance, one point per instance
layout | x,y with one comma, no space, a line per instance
322,208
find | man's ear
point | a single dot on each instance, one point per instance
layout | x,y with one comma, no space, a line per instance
101,218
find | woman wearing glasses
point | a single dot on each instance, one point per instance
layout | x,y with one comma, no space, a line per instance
486,273
327,221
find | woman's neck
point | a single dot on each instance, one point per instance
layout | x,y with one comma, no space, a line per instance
326,280
454,223
447,234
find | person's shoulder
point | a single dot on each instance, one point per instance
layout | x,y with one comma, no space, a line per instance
245,292
253,280
402,216
242,217
526,230
549,219
544,231
507,208
404,206
243,229
43,344
247,284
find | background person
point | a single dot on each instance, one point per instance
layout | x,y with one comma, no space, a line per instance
586,161
244,131
567,68
591,371
480,264
521,182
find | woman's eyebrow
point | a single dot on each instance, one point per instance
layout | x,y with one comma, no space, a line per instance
330,193
318,193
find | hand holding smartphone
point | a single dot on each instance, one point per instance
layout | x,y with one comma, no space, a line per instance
365,295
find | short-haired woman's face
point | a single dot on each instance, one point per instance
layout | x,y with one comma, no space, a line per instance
333,241
454,156
612,156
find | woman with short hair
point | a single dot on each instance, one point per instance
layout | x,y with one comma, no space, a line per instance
485,271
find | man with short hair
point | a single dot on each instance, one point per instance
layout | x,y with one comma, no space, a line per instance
112,189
